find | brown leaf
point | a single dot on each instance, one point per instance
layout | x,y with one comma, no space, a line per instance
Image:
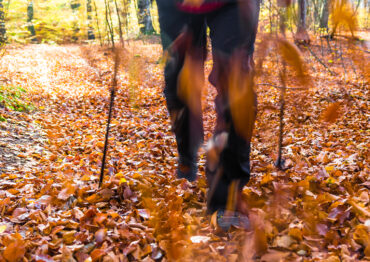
360,210
274,256
331,113
106,194
67,192
97,254
19,211
260,241
100,235
69,237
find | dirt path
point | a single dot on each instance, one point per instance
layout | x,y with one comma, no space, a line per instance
53,209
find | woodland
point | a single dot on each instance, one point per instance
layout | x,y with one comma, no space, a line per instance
60,62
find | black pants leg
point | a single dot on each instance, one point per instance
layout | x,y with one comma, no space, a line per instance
232,31
182,34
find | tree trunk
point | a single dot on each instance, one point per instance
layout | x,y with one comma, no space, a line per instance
302,35
30,25
144,17
109,22
119,22
2,24
97,23
76,28
90,29
325,15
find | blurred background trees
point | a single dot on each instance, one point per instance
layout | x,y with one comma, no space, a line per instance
109,21
2,24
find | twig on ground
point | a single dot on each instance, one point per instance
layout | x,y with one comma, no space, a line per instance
318,59
281,87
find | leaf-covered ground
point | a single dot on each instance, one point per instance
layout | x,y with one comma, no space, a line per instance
317,209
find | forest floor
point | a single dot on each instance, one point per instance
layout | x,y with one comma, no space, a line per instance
52,209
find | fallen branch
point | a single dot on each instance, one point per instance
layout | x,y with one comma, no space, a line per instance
281,87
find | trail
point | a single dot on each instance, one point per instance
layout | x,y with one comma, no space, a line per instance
317,209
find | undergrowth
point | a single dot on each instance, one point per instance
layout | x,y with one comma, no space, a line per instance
14,98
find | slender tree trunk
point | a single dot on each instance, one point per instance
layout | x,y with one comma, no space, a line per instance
90,29
119,21
97,23
302,35
325,15
144,17
108,21
2,24
75,5
316,15
30,26
125,12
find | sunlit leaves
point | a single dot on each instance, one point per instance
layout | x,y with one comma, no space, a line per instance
317,210
343,15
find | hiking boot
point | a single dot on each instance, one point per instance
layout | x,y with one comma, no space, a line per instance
226,219
187,169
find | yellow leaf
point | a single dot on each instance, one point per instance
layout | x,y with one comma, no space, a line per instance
361,235
119,175
329,168
3,228
85,178
266,179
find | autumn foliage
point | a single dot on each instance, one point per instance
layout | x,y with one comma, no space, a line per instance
316,209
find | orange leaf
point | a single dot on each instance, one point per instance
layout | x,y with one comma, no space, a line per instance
97,254
293,57
331,113
15,251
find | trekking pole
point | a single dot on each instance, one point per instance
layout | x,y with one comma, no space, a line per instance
112,95
280,161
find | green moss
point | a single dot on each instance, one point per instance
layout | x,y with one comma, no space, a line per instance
14,98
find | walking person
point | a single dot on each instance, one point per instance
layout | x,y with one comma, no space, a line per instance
233,26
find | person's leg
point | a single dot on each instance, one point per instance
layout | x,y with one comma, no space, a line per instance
182,34
233,30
